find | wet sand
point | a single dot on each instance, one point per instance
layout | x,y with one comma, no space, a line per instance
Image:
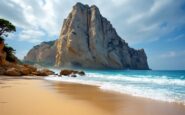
40,97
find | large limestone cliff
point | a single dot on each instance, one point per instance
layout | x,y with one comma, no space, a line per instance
88,40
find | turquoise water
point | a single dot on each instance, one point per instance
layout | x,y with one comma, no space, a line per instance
166,86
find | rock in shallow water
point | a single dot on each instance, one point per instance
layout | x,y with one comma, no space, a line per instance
71,73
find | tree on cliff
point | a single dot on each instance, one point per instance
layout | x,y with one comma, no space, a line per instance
5,28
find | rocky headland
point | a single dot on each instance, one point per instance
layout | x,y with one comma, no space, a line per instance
88,40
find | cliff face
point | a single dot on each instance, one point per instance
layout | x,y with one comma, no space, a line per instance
2,53
43,53
88,40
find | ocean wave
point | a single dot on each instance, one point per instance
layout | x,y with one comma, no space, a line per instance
161,95
162,80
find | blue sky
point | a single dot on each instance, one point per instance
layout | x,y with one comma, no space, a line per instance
158,26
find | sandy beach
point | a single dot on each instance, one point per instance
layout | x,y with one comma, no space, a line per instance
28,96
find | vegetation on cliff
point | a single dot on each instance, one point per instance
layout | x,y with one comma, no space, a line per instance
7,27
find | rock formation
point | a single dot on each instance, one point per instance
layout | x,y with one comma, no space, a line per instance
17,69
2,53
11,69
43,54
88,40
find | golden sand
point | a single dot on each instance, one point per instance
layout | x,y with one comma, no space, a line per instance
31,97
40,97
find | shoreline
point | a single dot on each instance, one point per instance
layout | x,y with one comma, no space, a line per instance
91,97
96,84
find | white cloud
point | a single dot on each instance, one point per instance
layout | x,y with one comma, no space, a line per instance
39,15
172,54
33,36
181,36
169,54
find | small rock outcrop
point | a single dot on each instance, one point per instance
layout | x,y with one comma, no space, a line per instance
15,69
88,40
11,69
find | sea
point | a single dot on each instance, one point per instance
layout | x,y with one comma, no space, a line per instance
163,85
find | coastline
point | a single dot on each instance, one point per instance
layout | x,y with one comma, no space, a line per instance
29,96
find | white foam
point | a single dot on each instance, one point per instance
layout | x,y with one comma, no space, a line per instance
142,79
160,95
73,80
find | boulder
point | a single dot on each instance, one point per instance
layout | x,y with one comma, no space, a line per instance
48,72
12,72
81,73
71,72
66,72
43,72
